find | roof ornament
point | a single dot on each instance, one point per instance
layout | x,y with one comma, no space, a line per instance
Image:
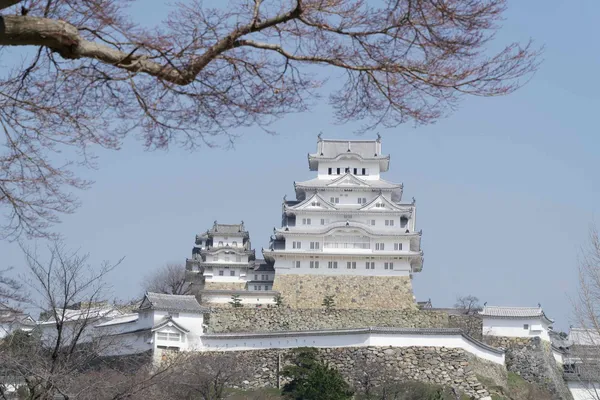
407,231
347,223
485,304
414,201
378,137
319,136
285,197
274,230
540,305
348,151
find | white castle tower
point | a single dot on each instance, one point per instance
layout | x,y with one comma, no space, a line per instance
348,234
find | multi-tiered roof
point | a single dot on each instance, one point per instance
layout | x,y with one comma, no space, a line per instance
348,196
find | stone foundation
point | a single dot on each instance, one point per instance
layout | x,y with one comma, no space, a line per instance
231,319
385,365
532,359
350,292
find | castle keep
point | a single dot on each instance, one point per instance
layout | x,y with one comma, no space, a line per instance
348,234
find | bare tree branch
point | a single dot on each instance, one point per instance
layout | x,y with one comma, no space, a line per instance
206,71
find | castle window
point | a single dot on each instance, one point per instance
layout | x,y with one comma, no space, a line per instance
221,244
169,336
347,170
403,222
322,221
234,243
221,272
306,221
332,264
372,222
232,272
351,265
525,326
315,245
266,288
369,265
329,170
355,171
297,245
388,265
255,287
314,264
297,263
334,200
338,171
348,216
364,171
255,277
379,246
389,222
362,200
397,246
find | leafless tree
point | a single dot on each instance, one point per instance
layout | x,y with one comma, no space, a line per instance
468,304
66,359
584,354
169,279
204,72
11,290
205,376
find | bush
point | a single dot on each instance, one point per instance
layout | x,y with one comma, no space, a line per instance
311,379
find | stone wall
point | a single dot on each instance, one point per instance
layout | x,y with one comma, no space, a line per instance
532,359
363,292
288,319
439,365
471,324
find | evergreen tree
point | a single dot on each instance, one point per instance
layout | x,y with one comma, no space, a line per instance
312,379
328,302
236,301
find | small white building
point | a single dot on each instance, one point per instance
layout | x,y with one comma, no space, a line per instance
582,364
12,320
516,322
163,321
77,323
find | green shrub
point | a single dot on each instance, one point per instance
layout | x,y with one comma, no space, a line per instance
311,379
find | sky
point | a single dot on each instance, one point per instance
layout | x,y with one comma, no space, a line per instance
506,187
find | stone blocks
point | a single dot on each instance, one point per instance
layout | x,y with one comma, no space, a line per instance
351,292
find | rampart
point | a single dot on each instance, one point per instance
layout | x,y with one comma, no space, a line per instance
450,367
532,359
271,319
350,292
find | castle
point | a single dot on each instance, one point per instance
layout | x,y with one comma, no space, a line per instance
348,237
348,234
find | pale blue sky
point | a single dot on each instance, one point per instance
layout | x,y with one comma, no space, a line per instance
506,187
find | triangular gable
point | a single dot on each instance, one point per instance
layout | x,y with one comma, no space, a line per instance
168,322
319,204
347,180
387,205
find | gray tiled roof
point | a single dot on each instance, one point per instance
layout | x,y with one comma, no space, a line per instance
383,330
172,302
513,312
376,184
331,148
328,149
228,228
